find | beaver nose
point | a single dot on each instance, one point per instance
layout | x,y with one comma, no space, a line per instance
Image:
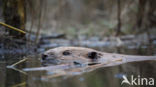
44,56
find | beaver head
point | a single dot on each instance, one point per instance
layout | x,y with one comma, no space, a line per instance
71,55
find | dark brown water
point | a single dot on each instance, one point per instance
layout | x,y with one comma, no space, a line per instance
102,77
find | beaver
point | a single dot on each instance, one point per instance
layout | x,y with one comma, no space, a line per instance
86,56
71,55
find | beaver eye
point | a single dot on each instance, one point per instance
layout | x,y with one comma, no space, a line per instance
66,53
92,55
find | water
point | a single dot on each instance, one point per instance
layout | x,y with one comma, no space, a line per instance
102,77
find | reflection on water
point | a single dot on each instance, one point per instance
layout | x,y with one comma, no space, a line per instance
102,77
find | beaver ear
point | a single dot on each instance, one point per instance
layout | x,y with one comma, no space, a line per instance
92,55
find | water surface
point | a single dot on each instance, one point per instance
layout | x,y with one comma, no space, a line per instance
102,77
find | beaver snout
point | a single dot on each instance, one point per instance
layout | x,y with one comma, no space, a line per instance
44,56
49,59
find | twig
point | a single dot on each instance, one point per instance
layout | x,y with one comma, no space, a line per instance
11,66
20,84
39,22
32,18
13,28
21,71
